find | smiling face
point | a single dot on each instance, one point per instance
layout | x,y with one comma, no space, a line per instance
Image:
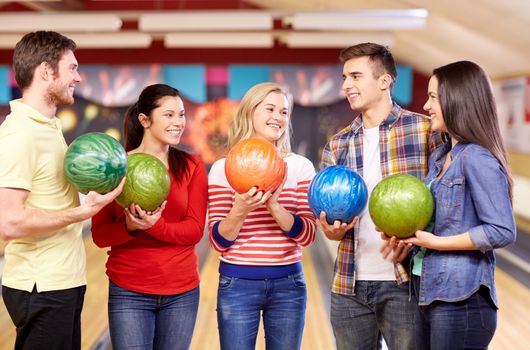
167,122
433,107
363,87
61,88
270,118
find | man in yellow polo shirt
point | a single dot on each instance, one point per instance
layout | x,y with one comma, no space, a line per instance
40,216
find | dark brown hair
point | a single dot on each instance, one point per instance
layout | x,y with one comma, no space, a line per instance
379,55
469,109
134,131
35,48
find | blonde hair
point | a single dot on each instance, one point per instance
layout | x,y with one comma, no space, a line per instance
242,127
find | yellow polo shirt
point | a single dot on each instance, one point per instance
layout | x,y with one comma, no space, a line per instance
32,149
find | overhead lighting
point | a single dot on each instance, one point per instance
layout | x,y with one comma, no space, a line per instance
219,40
18,22
111,40
358,20
334,39
204,21
91,41
3,1
8,41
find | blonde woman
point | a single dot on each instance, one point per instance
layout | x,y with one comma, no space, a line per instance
261,235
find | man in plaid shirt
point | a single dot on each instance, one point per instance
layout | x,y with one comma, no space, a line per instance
369,299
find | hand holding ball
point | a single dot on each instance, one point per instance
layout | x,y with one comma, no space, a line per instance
340,192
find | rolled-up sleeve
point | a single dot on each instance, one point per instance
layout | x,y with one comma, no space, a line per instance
489,189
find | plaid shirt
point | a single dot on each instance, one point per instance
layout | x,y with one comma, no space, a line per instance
405,143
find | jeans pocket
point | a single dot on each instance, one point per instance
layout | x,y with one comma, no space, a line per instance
298,279
488,316
225,282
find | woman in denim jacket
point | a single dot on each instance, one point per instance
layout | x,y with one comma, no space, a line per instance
453,272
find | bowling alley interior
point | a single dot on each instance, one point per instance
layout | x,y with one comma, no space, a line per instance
214,51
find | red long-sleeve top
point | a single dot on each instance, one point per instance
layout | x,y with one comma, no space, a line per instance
161,260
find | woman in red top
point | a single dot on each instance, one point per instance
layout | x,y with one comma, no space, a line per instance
152,264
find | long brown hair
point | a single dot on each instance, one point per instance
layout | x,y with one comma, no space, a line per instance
134,131
469,109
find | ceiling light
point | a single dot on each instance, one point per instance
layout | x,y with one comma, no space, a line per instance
91,41
8,41
219,40
204,21
19,22
111,40
334,39
358,20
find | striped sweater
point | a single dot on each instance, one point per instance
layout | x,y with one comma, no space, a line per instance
261,242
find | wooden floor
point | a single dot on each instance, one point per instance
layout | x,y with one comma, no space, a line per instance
513,330
317,331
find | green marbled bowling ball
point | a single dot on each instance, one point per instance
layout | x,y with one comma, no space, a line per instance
147,182
95,162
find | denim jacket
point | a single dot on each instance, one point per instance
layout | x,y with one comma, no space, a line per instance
471,196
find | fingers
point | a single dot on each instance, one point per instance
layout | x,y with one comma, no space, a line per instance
254,198
387,247
265,197
116,192
159,209
401,253
352,224
322,217
335,231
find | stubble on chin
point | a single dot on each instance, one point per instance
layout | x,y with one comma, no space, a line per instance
58,98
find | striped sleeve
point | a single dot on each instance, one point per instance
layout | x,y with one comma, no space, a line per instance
261,241
306,172
220,199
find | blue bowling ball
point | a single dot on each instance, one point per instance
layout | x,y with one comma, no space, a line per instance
340,192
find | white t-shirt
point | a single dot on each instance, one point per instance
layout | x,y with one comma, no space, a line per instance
369,263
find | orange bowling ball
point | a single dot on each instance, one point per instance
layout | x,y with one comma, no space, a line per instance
254,162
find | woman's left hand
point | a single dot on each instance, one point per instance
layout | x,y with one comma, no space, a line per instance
423,239
138,219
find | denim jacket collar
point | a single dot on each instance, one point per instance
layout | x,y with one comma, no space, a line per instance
442,150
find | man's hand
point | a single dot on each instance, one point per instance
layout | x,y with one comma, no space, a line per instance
338,230
394,248
94,201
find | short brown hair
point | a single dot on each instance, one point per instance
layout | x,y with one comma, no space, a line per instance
35,48
380,55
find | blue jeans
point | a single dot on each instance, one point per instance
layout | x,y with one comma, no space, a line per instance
240,303
149,321
378,308
467,324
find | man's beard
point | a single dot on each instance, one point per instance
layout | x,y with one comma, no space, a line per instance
59,95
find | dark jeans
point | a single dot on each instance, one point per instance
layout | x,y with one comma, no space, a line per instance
241,302
149,321
377,308
46,320
466,324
